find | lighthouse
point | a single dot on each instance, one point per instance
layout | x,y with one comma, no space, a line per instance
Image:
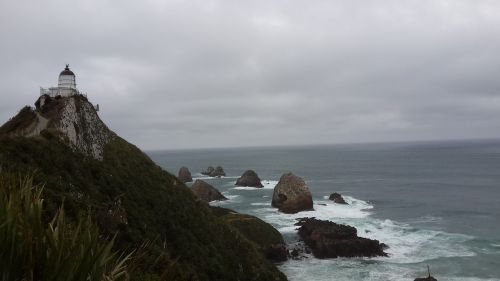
67,79
66,85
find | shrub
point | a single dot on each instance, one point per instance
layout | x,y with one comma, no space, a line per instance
32,249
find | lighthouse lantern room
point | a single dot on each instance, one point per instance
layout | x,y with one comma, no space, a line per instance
66,85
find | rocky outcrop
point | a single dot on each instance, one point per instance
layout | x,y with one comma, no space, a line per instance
208,171
214,172
429,278
74,118
291,195
185,175
206,192
330,240
267,239
249,178
337,198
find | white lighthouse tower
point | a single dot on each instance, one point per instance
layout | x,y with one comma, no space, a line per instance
66,85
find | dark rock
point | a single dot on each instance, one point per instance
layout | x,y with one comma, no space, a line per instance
218,172
185,175
291,195
337,198
214,172
249,178
277,252
429,278
330,240
206,192
208,171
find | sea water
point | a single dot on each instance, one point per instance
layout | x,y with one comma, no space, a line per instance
432,203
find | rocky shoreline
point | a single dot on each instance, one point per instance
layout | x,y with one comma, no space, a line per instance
322,238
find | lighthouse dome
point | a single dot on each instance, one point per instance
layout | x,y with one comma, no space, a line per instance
67,79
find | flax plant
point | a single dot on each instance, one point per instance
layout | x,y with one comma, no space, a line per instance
34,250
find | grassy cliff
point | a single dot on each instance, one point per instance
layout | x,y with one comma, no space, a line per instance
148,208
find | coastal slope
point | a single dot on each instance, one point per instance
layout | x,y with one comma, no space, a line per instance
89,169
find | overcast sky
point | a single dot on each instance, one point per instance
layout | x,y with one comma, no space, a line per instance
195,74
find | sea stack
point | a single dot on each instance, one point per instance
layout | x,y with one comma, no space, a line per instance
337,198
291,195
206,192
185,175
214,172
249,178
330,240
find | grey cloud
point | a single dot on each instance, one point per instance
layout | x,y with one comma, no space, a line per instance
181,74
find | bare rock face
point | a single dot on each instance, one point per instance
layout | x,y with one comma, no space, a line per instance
185,175
74,117
337,198
330,240
208,171
249,178
214,172
206,192
291,195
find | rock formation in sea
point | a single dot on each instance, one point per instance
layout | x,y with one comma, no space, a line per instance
249,178
429,278
337,198
330,240
185,175
206,192
208,171
291,195
214,172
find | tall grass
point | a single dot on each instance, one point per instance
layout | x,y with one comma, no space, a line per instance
33,249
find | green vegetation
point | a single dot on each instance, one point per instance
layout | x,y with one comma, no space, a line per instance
22,120
253,228
128,195
32,249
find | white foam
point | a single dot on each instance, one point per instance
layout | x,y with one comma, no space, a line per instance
325,210
260,204
200,176
409,245
267,184
230,199
406,244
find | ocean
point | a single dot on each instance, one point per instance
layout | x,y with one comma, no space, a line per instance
432,203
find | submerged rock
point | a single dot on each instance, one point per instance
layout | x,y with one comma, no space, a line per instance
185,175
429,278
206,192
249,178
337,198
330,240
214,172
291,195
